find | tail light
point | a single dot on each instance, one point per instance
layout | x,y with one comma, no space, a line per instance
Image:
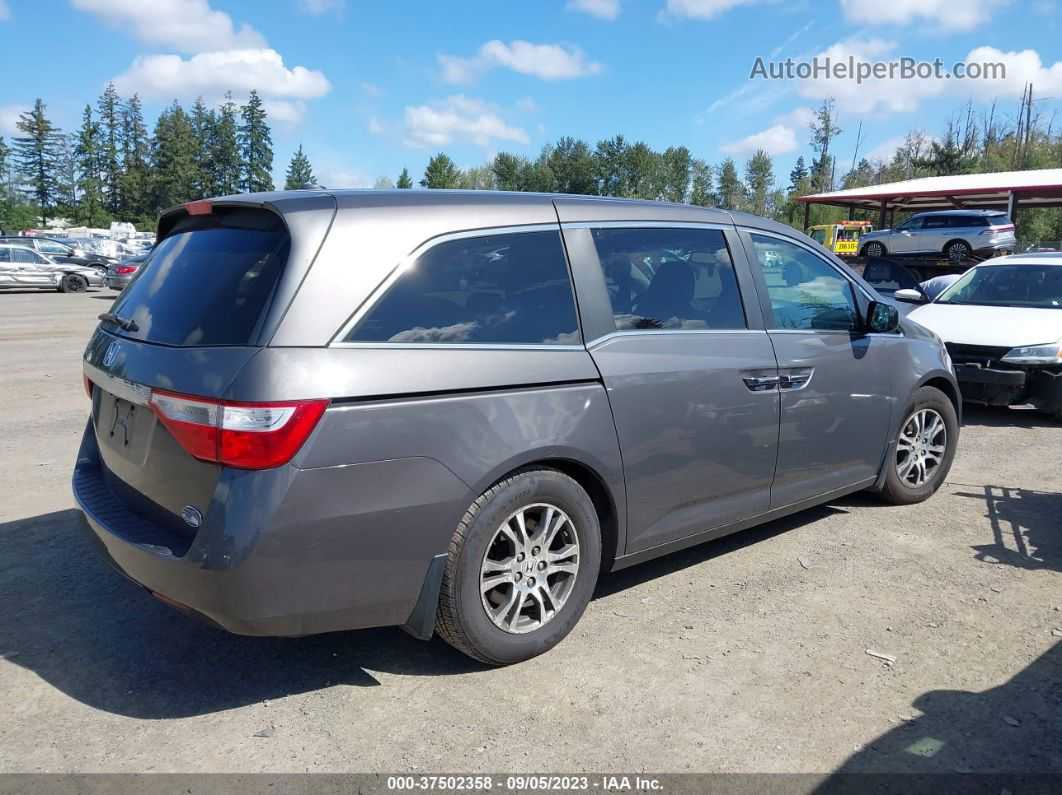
240,435
88,385
123,269
996,230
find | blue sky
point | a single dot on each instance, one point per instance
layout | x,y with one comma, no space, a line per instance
368,87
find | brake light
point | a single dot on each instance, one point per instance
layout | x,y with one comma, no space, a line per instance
236,434
125,269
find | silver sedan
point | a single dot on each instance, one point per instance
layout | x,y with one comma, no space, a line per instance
23,268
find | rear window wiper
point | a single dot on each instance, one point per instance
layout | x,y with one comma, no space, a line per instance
124,323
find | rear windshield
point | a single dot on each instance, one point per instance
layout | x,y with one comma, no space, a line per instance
209,282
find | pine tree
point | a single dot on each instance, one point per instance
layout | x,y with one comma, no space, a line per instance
405,182
759,182
798,174
299,172
256,146
676,171
701,192
441,173
730,190
136,169
203,123
109,108
571,167
226,171
37,153
173,158
609,156
90,209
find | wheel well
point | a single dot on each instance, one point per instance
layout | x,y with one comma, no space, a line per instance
945,386
958,240
600,495
870,243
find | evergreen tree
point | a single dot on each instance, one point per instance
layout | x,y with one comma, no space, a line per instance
759,182
441,172
730,190
226,171
506,169
173,158
609,156
798,174
823,131
37,154
299,172
66,174
136,168
675,174
109,108
571,167
256,146
641,172
90,209
405,182
203,123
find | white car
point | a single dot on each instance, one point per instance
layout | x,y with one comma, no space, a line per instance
1002,324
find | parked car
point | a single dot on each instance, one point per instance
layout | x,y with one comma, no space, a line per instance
120,273
298,426
1002,323
957,234
59,251
22,268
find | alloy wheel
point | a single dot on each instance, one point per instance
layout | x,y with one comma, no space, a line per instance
920,448
529,568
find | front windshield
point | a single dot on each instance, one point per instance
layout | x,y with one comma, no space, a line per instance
1033,286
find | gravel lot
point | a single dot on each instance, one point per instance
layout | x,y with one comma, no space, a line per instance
744,655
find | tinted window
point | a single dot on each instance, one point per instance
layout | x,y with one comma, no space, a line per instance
912,223
209,282
51,247
499,289
669,279
5,254
1033,286
887,276
806,292
818,235
941,221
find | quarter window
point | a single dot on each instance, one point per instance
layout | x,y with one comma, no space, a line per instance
806,292
495,289
671,279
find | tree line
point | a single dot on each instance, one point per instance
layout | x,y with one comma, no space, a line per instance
111,168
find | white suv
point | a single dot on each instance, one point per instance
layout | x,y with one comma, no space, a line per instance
957,234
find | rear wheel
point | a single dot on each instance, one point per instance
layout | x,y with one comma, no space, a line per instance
957,250
925,448
73,283
874,249
522,568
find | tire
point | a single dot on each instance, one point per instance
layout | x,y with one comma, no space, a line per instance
874,249
462,619
957,250
906,488
73,283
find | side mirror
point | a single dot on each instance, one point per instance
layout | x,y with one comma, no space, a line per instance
882,318
910,296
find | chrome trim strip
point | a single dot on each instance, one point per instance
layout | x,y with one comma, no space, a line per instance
463,346
138,394
412,257
646,225
670,332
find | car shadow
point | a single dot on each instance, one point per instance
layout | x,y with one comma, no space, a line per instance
100,639
1006,738
1006,417
1026,531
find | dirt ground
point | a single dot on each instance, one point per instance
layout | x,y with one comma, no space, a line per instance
744,655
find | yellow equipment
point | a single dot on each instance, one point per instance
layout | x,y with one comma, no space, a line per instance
840,237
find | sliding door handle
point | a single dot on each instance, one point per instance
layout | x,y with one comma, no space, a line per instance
760,383
795,379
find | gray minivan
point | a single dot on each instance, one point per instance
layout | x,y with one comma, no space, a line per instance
451,411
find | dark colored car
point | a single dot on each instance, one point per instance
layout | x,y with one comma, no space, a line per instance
59,251
120,273
451,411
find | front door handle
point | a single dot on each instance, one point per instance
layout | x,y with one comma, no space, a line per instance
760,383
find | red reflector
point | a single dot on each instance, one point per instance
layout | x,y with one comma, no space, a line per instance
125,269
88,385
240,435
170,602
201,207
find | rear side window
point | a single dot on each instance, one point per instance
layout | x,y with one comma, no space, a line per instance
669,279
209,282
495,289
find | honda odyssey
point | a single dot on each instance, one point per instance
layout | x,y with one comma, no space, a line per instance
452,411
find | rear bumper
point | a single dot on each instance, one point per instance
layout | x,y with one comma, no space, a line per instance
999,387
287,551
117,282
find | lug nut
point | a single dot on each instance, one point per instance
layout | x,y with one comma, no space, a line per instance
531,582
541,565
535,551
518,576
520,558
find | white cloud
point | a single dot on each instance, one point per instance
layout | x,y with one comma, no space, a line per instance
701,9
190,26
318,7
885,150
9,116
375,126
797,117
1022,67
546,61
283,111
527,105
791,38
5,12
605,9
372,90
946,14
341,177
777,140
458,119
212,73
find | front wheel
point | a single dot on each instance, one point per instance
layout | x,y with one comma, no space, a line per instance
874,250
957,250
925,448
522,567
